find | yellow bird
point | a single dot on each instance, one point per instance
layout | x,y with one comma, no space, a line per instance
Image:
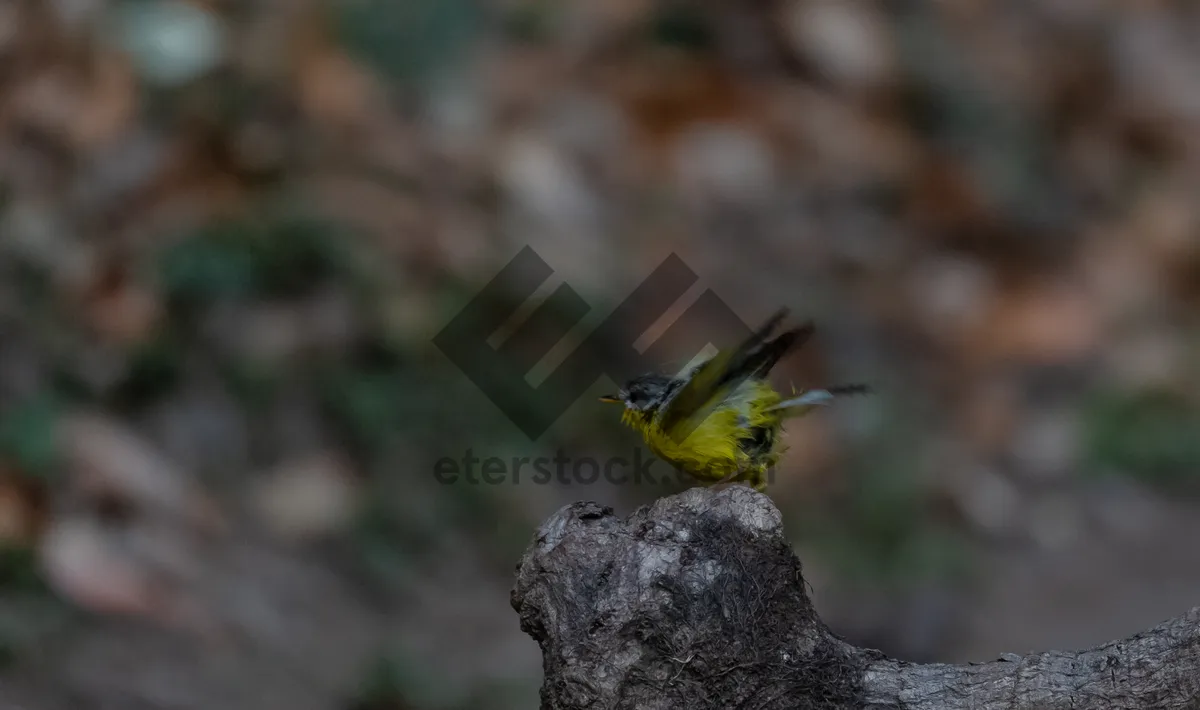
721,420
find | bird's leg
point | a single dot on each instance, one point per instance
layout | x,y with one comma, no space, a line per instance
757,479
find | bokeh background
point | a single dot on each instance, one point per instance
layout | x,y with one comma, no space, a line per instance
230,229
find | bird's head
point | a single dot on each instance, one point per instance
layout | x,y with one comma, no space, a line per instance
644,393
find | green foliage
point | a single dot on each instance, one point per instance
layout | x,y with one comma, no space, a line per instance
396,681
19,571
682,25
366,403
254,384
388,543
532,21
155,369
383,688
405,41
31,614
213,266
28,437
8,652
1148,435
242,259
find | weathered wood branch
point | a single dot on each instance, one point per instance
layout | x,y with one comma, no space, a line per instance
697,601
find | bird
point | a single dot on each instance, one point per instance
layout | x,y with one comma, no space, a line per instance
721,420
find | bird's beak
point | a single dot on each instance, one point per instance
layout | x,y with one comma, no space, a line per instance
610,398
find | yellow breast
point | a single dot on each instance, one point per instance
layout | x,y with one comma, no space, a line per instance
714,450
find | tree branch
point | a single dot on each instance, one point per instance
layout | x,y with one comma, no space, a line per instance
698,602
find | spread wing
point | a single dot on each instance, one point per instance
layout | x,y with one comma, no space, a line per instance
711,381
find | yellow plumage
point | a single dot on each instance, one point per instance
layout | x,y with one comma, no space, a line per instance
715,450
722,420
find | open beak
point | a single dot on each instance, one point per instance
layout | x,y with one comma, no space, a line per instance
610,398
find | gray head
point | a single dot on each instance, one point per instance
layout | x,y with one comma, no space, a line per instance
642,393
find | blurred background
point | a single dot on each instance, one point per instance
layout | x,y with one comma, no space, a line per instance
230,229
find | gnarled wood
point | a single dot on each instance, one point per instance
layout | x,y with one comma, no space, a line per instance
698,602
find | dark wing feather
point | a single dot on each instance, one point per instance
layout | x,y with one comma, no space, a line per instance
715,378
758,362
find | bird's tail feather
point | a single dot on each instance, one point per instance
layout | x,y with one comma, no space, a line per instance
811,399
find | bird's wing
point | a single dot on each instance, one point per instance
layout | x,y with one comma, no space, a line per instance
711,381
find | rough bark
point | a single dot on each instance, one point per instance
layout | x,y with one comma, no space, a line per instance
697,601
